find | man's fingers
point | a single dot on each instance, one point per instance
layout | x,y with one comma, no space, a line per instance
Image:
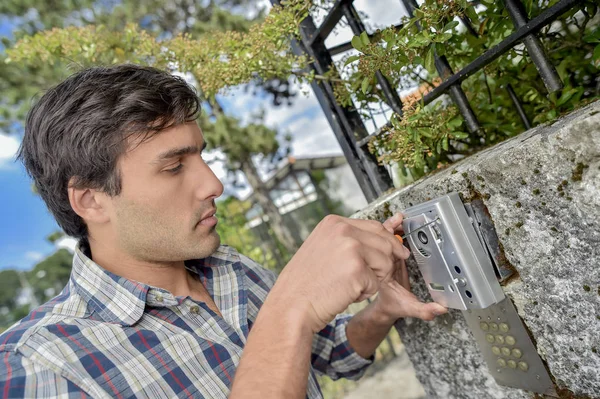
381,243
425,311
394,224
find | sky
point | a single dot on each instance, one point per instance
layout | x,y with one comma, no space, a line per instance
25,221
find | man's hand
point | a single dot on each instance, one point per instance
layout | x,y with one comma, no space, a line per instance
341,262
394,299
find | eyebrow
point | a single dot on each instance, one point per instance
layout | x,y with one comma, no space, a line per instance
178,152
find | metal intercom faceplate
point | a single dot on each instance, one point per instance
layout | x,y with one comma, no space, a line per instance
507,348
455,255
456,267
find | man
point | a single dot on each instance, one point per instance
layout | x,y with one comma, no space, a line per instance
155,306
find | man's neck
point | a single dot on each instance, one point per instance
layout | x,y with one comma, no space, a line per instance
171,276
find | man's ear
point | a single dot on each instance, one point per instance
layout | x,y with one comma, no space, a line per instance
89,204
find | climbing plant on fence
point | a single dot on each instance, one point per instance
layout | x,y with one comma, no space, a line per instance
423,138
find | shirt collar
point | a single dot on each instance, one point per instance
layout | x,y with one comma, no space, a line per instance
116,299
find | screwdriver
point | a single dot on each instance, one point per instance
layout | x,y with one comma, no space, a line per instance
401,238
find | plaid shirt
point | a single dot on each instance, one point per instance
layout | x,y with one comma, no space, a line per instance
107,336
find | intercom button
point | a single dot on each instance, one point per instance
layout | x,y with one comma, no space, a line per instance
493,326
505,351
512,364
510,340
499,339
523,366
484,326
504,327
496,350
501,362
516,352
490,338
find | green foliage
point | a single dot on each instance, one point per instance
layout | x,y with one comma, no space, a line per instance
216,60
232,230
9,287
44,281
427,137
49,276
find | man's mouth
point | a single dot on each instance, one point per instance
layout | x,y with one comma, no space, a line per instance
209,219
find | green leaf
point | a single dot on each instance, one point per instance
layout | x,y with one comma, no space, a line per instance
430,60
443,37
450,25
351,59
472,14
455,122
426,133
596,56
445,143
365,84
460,135
364,38
566,95
440,49
357,43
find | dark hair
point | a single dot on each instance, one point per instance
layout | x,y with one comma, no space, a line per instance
79,128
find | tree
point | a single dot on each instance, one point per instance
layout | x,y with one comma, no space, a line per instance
117,38
50,275
233,230
10,285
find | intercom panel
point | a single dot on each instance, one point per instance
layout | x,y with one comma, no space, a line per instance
456,267
456,251
510,354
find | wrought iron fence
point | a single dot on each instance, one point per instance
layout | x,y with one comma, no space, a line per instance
348,126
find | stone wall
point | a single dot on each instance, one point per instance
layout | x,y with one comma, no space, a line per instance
542,190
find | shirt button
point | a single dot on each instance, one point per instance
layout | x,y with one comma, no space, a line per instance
195,309
159,298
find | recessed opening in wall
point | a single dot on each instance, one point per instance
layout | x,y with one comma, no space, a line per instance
457,269
468,293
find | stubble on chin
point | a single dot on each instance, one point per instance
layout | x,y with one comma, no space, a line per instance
152,237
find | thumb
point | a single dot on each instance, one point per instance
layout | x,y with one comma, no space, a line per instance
426,311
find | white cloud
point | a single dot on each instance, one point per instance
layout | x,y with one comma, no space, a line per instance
67,243
8,150
34,256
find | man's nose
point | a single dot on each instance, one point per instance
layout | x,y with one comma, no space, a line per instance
208,185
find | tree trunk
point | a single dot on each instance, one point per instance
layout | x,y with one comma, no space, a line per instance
261,194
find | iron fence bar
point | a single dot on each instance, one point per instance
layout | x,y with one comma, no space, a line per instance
534,46
391,95
342,48
519,107
545,17
444,70
458,95
331,20
345,122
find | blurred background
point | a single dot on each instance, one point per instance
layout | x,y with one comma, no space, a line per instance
305,178
291,172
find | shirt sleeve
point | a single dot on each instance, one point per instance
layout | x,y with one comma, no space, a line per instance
21,378
333,355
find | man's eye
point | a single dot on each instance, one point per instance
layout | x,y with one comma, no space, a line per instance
175,169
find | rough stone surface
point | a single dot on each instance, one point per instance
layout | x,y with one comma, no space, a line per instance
396,381
542,189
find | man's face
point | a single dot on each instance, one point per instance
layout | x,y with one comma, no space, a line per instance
168,192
